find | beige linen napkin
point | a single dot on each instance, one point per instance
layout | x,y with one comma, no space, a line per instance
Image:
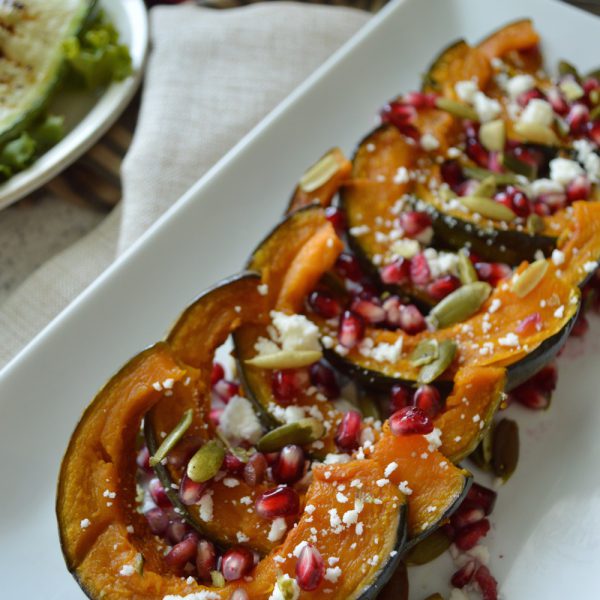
211,76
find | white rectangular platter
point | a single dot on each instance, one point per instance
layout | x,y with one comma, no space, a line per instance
546,539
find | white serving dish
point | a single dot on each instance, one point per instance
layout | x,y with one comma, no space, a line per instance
546,542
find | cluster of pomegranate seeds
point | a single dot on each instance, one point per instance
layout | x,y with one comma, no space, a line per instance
426,398
536,392
467,527
401,116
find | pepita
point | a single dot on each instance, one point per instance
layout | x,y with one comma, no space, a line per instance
299,432
139,563
460,304
429,549
207,461
486,188
535,224
488,208
512,163
566,68
505,448
286,359
425,352
536,133
172,439
525,282
369,407
431,371
493,135
319,174
482,455
457,109
480,174
217,579
466,270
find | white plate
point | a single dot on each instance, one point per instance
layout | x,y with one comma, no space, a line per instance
88,117
548,516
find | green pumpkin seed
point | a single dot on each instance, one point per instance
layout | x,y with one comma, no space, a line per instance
571,90
480,174
460,304
369,407
299,432
430,372
505,448
528,280
139,563
535,224
425,352
457,109
486,188
217,578
207,461
466,270
488,208
566,68
429,549
512,163
319,174
286,359
172,439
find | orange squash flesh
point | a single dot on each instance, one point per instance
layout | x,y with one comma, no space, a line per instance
516,36
325,192
476,396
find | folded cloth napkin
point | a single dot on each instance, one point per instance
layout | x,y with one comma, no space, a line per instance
212,75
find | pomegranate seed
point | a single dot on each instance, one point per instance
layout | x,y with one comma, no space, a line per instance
414,222
428,399
226,390
578,118
337,218
217,373
401,396
591,84
452,174
547,378
348,267
323,378
281,501
310,569
158,520
493,273
579,189
289,467
255,469
464,575
482,496
324,305
471,128
477,153
236,563
392,307
530,156
411,319
239,594
348,431
468,536
531,396
352,329
190,492
158,494
215,416
542,209
143,458
400,116
420,100
176,531
525,98
206,560
272,458
419,270
467,187
366,291
556,99
467,514
495,163
396,273
530,324
232,464
369,311
514,199
487,584
593,131
581,326
181,553
288,384
410,420
442,286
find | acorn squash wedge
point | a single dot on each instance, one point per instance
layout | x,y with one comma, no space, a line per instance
32,56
